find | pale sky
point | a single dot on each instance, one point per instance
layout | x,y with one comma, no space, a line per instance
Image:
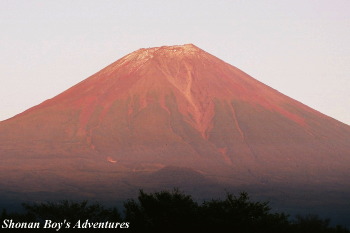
300,48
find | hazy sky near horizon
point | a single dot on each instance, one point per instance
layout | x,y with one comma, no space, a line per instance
300,48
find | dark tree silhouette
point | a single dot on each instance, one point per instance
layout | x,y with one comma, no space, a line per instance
243,215
162,210
174,211
315,224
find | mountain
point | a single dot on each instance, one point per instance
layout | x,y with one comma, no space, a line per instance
171,106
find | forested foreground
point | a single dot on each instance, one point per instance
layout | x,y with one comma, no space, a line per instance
166,211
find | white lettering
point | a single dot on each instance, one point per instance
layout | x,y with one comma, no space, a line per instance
9,223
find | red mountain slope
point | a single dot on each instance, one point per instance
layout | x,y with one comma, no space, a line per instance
176,106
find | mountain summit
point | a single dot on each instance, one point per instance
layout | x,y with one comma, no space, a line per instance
175,106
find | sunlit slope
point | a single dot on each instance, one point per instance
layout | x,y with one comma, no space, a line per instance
177,106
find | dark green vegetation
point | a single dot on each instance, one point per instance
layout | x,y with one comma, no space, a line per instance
177,212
